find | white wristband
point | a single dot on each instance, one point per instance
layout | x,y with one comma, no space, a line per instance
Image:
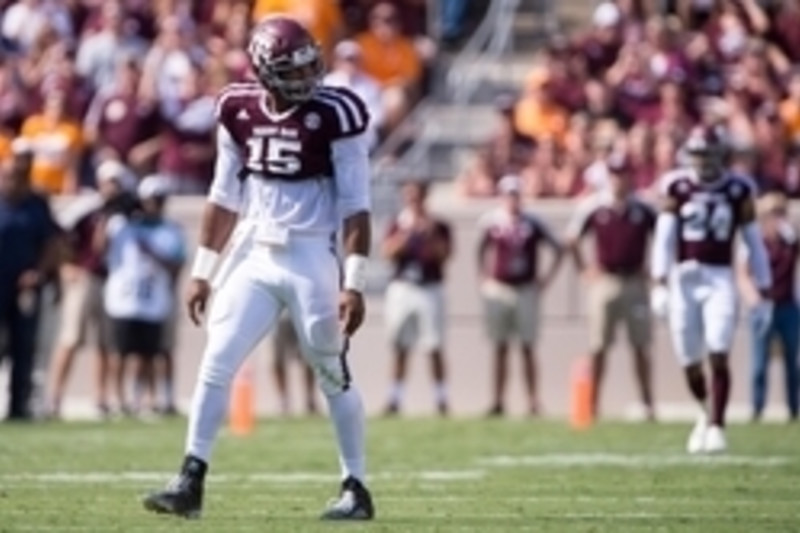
205,262
355,273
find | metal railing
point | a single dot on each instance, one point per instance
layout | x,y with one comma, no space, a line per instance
491,39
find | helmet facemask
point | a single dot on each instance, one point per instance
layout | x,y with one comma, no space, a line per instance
707,163
294,76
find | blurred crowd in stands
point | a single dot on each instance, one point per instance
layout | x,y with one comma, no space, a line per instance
90,80
635,82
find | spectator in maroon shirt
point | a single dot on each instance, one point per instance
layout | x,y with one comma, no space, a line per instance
668,60
418,245
770,148
731,26
781,240
621,226
511,286
635,87
13,99
120,124
565,74
186,156
672,115
641,157
602,43
790,182
786,29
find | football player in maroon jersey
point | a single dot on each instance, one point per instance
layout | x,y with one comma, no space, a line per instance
292,169
692,268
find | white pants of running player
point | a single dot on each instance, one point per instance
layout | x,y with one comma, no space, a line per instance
703,310
256,283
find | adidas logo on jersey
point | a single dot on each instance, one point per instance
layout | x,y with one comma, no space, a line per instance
243,115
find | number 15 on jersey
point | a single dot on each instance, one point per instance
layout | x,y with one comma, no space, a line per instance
274,155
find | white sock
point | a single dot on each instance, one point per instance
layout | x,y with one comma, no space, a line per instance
209,407
169,394
440,393
347,415
396,393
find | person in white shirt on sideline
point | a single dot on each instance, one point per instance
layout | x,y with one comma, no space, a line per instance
143,254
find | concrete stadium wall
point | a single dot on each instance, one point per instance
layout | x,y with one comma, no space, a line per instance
563,339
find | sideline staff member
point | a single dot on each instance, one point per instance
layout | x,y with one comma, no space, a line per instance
28,250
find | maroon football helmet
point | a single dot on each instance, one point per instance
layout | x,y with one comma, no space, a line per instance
706,149
285,58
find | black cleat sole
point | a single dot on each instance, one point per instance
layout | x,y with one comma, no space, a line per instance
155,506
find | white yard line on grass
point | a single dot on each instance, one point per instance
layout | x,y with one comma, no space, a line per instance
566,460
254,478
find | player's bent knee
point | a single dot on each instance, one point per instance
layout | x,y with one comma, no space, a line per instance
332,373
323,335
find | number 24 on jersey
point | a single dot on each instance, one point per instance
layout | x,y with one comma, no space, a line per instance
704,220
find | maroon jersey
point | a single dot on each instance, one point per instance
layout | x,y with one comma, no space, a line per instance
708,214
122,122
509,247
621,233
783,250
188,141
415,263
293,145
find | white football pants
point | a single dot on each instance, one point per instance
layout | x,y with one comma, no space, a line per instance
703,310
258,282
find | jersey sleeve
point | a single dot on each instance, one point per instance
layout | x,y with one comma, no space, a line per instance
350,114
226,188
350,158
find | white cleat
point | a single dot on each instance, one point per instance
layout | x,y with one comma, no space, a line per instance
697,438
715,441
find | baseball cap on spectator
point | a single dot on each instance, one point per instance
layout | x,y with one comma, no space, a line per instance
509,184
153,186
606,15
347,50
113,170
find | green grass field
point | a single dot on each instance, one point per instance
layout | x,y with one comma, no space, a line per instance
426,475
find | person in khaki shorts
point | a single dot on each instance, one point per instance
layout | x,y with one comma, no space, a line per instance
82,277
418,245
509,254
618,292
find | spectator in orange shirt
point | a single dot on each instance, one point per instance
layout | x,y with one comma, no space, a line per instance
56,141
790,109
537,114
391,58
323,18
5,147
